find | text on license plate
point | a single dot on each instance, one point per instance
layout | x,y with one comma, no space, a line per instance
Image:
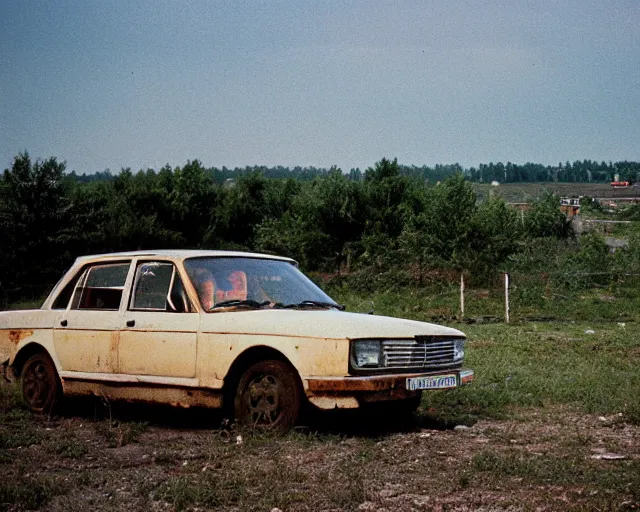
432,382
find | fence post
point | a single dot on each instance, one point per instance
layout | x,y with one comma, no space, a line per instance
461,295
506,297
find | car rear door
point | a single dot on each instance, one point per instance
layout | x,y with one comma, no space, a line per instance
86,333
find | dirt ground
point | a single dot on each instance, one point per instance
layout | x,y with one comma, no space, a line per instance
94,457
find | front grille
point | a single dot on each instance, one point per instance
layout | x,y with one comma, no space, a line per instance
424,353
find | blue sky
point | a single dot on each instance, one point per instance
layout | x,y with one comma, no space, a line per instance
142,84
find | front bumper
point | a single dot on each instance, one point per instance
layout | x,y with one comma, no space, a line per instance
351,392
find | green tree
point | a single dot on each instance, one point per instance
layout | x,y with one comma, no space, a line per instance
546,220
495,233
34,206
438,234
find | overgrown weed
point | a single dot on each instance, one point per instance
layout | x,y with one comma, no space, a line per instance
32,492
118,434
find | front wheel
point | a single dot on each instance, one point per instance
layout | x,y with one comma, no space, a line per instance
268,396
40,383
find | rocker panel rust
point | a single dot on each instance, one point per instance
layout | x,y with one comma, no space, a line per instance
145,393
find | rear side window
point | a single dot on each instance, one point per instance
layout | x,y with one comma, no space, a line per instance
63,298
101,287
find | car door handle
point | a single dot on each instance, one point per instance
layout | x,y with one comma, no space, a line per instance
63,323
131,323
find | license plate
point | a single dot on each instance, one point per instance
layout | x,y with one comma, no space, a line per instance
433,382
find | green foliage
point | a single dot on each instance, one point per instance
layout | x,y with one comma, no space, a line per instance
631,213
318,223
389,221
34,225
438,225
546,219
628,258
592,263
495,234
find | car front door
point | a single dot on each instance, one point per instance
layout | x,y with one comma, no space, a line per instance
159,337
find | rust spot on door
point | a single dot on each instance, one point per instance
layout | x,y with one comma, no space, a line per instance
114,351
18,335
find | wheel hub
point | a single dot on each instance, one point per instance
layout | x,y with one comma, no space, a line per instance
262,400
37,388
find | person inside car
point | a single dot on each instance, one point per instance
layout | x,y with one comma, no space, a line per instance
205,286
236,288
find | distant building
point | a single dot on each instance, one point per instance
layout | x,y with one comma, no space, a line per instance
570,206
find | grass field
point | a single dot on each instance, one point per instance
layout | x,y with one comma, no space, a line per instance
551,423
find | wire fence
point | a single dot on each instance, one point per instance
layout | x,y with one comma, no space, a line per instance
564,295
511,297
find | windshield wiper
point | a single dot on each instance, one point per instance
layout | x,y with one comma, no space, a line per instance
248,303
310,304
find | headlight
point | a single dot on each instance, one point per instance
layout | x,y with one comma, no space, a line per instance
366,353
458,350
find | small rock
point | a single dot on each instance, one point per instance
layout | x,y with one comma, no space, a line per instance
461,427
609,456
274,509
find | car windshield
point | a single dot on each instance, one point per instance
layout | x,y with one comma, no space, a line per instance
250,281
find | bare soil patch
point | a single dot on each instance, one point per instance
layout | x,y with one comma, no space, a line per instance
127,458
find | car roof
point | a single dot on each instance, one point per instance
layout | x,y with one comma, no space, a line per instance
180,254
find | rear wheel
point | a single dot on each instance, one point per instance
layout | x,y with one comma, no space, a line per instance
268,396
40,384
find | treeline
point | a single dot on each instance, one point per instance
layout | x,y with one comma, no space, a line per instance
331,223
577,172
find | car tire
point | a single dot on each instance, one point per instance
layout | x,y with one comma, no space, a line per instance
41,389
268,397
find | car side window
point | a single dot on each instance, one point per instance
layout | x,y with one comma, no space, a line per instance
63,298
157,287
101,287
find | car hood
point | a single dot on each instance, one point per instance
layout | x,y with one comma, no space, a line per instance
319,324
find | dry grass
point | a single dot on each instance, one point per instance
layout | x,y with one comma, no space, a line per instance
541,457
551,410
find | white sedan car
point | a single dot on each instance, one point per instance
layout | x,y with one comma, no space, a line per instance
212,328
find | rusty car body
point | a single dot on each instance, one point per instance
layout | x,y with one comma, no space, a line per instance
213,328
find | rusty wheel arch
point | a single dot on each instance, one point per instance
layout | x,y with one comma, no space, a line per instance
245,360
25,353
